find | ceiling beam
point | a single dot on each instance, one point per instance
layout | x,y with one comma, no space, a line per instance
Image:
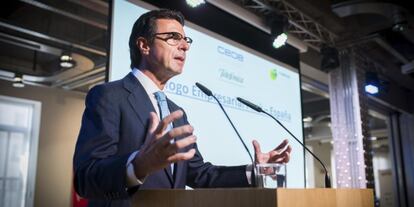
94,5
28,44
95,23
53,39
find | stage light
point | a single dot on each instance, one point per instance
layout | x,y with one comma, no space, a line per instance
372,138
372,83
307,119
195,3
66,61
280,40
330,58
18,81
371,89
278,27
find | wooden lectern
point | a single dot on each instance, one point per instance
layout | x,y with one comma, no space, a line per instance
253,197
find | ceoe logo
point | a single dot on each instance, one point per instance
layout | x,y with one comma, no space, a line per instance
229,53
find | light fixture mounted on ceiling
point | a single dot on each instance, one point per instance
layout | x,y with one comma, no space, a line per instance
307,119
18,81
278,28
372,83
330,58
66,61
195,3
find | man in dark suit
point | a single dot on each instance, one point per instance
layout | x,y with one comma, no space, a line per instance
123,146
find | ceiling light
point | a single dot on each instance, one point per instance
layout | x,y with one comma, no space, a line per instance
17,78
278,27
280,41
372,83
18,81
65,64
372,138
307,119
371,89
400,22
66,61
195,3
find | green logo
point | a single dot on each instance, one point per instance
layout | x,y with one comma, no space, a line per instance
273,74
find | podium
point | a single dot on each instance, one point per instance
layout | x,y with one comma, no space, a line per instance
253,197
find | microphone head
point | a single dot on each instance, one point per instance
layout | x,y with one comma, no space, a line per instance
251,105
204,89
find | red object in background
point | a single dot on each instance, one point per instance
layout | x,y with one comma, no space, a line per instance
78,201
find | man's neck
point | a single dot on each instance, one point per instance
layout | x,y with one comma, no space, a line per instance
150,75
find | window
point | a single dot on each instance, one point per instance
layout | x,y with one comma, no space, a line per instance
19,132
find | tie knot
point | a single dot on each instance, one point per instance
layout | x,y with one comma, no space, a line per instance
160,96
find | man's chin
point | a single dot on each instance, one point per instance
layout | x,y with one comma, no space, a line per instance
172,73
177,71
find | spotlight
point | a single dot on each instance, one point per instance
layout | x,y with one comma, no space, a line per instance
18,81
372,138
400,22
195,3
307,119
278,27
371,89
280,40
66,61
372,83
330,59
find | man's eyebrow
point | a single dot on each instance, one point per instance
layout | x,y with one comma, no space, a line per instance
170,33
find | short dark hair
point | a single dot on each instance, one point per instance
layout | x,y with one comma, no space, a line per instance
145,27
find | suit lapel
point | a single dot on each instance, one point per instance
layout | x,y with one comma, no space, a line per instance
138,99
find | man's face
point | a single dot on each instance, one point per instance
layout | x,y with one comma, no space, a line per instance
166,59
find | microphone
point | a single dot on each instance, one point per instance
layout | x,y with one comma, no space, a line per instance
205,90
260,110
209,93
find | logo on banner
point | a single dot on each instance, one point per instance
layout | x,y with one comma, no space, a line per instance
230,76
229,53
273,74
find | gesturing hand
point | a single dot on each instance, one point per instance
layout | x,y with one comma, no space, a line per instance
158,152
281,154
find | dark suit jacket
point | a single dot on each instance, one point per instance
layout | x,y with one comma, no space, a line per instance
114,125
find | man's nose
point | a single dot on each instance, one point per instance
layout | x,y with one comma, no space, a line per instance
184,45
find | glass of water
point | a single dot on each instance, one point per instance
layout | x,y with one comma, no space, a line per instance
270,175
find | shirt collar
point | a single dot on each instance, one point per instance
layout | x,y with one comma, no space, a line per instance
149,86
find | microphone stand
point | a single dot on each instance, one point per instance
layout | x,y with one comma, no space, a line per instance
260,110
208,92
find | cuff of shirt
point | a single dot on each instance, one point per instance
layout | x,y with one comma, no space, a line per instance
249,171
132,179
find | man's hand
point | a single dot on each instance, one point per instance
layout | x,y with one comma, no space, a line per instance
158,152
281,154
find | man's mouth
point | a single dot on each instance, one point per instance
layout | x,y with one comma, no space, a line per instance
180,58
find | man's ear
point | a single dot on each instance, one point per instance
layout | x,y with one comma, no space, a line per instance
143,45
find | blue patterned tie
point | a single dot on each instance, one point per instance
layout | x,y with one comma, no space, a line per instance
163,106
164,111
